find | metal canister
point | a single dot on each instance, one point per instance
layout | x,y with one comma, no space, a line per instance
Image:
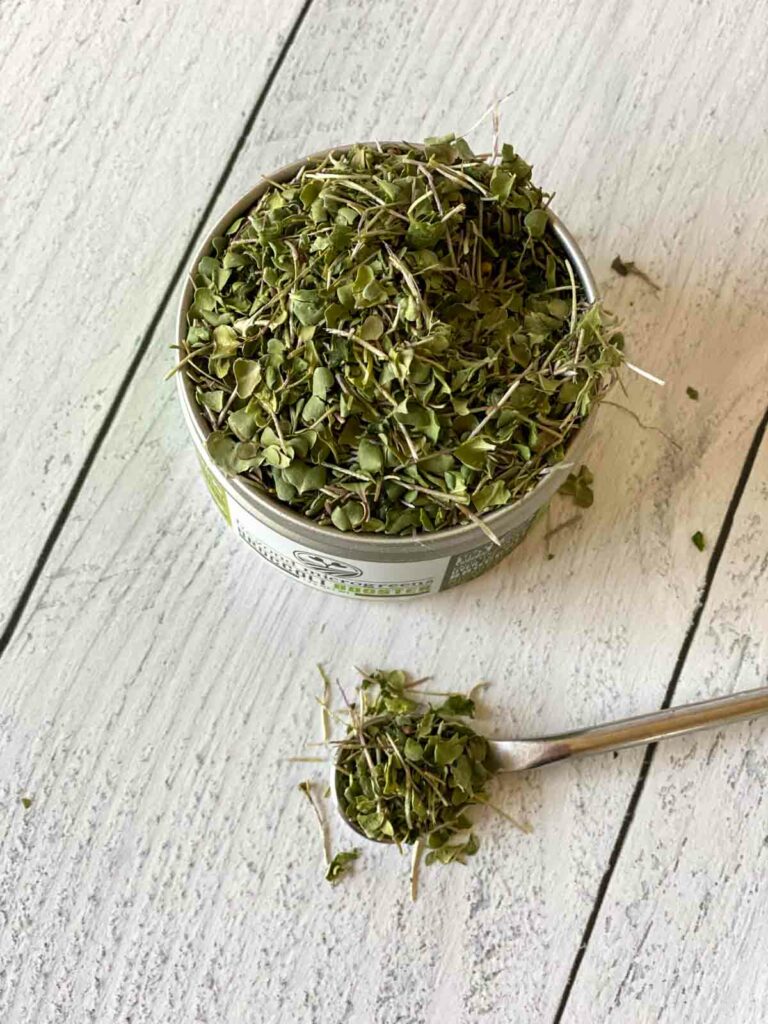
364,565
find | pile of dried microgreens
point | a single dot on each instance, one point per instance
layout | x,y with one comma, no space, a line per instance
394,340
407,771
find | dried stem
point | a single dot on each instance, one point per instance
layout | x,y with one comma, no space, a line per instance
306,789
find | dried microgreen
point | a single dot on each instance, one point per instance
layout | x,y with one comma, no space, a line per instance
416,854
624,268
699,540
340,865
411,769
408,771
692,393
306,788
579,487
394,340
325,703
26,802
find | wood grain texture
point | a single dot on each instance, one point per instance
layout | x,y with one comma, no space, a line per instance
683,934
167,870
119,118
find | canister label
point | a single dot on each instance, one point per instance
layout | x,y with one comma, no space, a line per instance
352,577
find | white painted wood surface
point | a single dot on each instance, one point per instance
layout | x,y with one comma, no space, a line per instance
683,932
117,120
167,870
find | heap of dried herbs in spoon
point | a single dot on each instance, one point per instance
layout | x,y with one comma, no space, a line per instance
411,769
405,772
395,340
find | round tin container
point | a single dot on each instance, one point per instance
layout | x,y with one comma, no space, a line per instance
352,564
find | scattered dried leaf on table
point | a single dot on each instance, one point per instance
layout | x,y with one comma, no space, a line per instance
579,487
624,268
340,865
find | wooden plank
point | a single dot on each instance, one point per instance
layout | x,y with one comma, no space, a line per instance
682,934
119,119
161,672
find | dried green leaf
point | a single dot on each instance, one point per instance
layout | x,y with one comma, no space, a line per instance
340,865
244,423
447,750
224,450
473,453
491,495
625,267
457,704
536,222
307,306
322,380
413,750
213,400
370,456
579,487
225,342
347,517
501,183
304,476
314,410
372,328
248,376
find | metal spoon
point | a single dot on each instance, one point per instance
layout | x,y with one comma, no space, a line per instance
520,755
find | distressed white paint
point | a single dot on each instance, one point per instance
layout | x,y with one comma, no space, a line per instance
167,871
117,120
683,932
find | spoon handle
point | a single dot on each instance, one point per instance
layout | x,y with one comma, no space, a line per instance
630,732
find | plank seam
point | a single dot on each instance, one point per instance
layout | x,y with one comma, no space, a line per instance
637,792
114,408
